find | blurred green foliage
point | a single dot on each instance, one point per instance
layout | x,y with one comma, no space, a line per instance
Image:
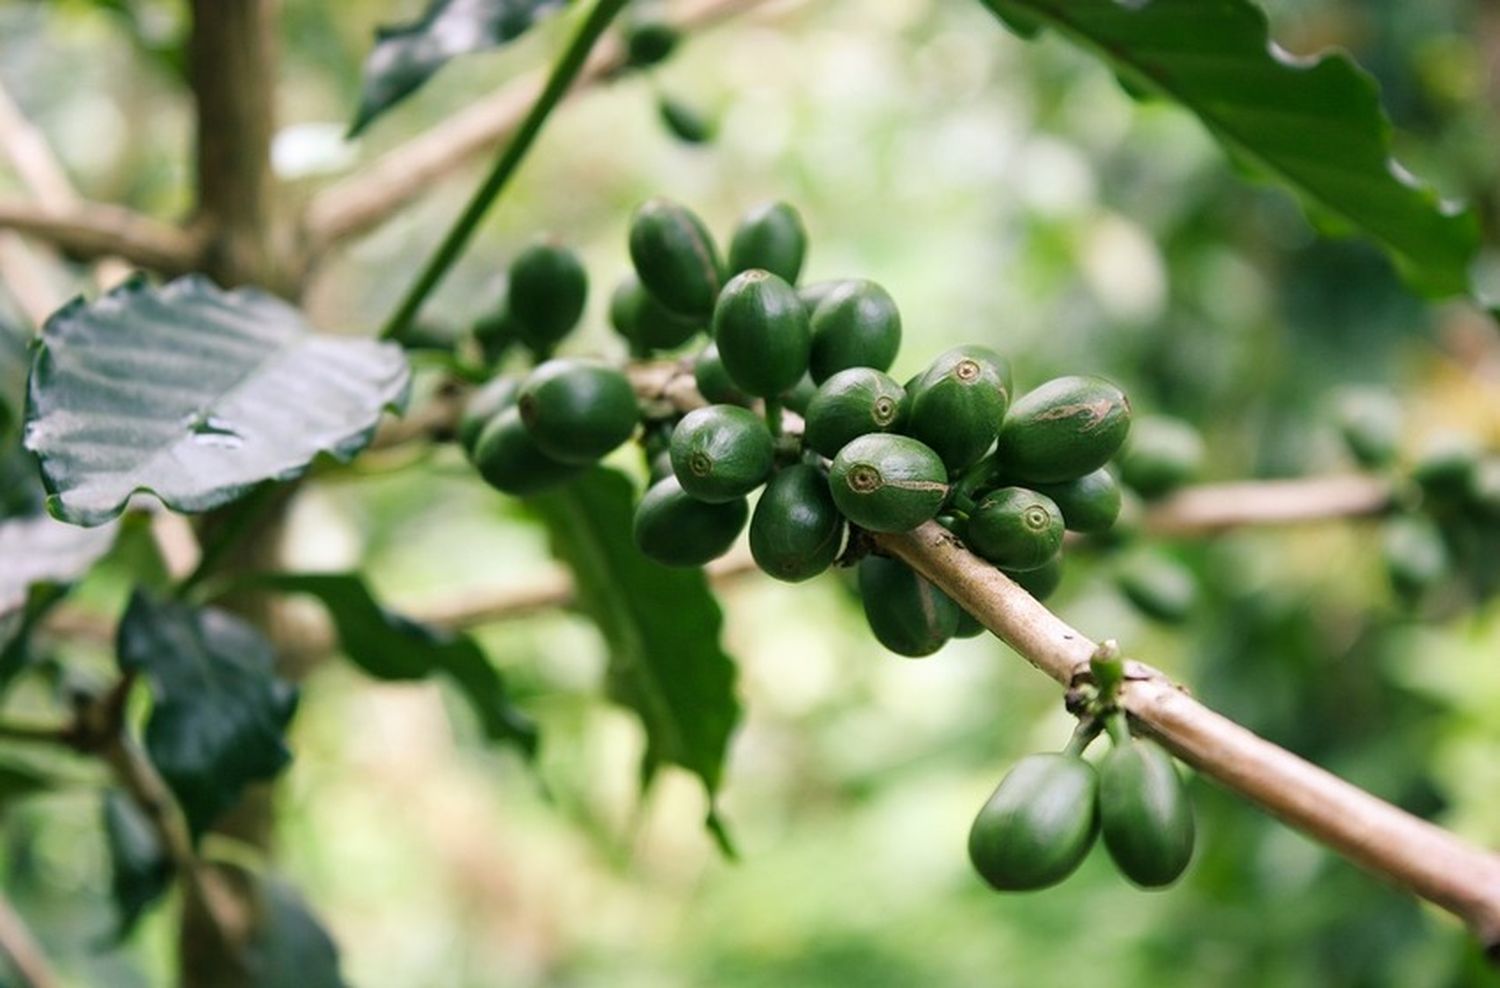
1005,193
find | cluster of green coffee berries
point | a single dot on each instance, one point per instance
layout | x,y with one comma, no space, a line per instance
1444,529
1047,812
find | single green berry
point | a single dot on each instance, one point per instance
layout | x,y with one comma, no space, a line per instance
1158,585
770,237
722,452
1160,456
1445,470
1016,529
1042,581
509,459
887,483
1416,557
1090,504
761,330
1145,815
856,324
850,404
957,404
577,410
646,324
713,380
487,401
676,529
547,288
684,121
1370,424
907,614
813,293
1039,824
1063,429
675,258
648,41
796,530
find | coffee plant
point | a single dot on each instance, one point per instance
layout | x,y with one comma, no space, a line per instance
159,428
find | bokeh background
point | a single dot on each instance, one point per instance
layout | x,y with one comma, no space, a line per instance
1006,193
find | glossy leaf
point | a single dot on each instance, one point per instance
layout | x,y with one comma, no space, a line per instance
196,395
389,646
405,56
220,713
140,872
662,626
1314,124
290,948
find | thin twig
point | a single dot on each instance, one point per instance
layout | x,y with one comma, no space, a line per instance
1207,508
97,230
368,198
1405,850
26,956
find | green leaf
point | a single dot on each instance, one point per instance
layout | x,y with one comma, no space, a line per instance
388,646
1314,124
405,56
20,779
662,626
140,871
290,948
195,394
220,713
15,364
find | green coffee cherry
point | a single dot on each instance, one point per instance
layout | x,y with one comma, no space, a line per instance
1090,504
850,404
676,529
713,380
1016,529
1370,424
1145,815
1042,581
509,459
547,288
721,453
796,529
483,405
496,332
683,121
888,483
646,324
1158,585
1039,825
675,258
1063,429
761,330
1161,455
907,614
648,41
1445,470
813,293
770,237
856,324
577,410
1416,557
968,626
957,404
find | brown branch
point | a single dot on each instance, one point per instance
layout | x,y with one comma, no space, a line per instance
26,956
98,230
368,198
1403,849
1204,509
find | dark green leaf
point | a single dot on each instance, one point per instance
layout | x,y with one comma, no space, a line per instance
662,626
1314,124
405,56
290,948
389,646
196,395
220,713
140,871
